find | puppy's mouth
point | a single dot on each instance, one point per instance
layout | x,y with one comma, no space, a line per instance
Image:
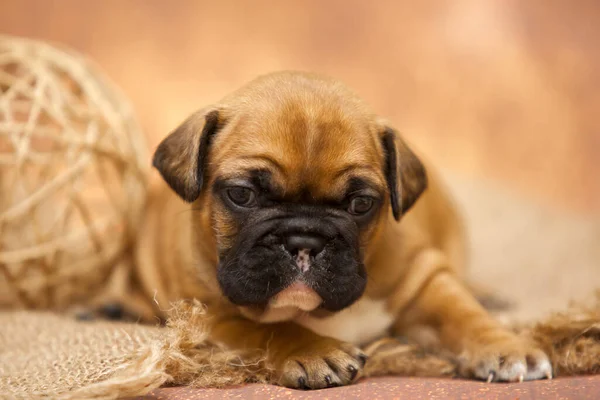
298,294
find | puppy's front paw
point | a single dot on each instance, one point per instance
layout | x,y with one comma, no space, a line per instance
510,360
324,363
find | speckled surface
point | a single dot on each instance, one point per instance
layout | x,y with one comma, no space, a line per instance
402,388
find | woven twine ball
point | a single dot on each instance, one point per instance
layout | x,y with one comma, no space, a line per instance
73,172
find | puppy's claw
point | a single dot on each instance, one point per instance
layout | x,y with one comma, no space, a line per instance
113,311
521,378
302,383
491,377
353,371
363,359
86,315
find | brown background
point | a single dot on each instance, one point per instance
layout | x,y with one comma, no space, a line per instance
502,89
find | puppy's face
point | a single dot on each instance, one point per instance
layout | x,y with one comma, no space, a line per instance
295,177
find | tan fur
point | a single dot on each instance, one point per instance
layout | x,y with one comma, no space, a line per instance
312,132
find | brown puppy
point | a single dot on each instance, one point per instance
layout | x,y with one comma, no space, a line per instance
315,229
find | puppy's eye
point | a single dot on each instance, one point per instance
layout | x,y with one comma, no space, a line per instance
360,205
242,196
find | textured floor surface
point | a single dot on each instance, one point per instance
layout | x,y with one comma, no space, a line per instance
402,388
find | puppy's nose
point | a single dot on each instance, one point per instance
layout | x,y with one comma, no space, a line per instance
297,242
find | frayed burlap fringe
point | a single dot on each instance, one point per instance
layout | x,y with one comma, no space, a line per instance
47,356
184,355
570,338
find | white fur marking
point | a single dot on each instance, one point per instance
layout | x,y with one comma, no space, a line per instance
364,321
303,260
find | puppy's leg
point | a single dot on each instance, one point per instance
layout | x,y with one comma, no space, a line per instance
484,348
302,359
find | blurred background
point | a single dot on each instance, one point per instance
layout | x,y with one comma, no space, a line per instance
504,90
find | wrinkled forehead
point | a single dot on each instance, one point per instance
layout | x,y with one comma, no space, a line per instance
306,145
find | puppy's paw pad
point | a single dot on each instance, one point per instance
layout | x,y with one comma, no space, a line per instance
513,362
329,366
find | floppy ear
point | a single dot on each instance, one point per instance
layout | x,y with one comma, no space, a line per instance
182,156
405,174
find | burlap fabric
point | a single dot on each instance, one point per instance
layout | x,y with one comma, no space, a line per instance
537,258
44,354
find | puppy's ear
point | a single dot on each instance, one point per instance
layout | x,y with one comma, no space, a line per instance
182,156
404,172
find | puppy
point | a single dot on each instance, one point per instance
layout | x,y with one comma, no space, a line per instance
314,229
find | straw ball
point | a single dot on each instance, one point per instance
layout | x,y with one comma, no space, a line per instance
73,176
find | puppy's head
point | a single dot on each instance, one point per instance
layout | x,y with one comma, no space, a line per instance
295,177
